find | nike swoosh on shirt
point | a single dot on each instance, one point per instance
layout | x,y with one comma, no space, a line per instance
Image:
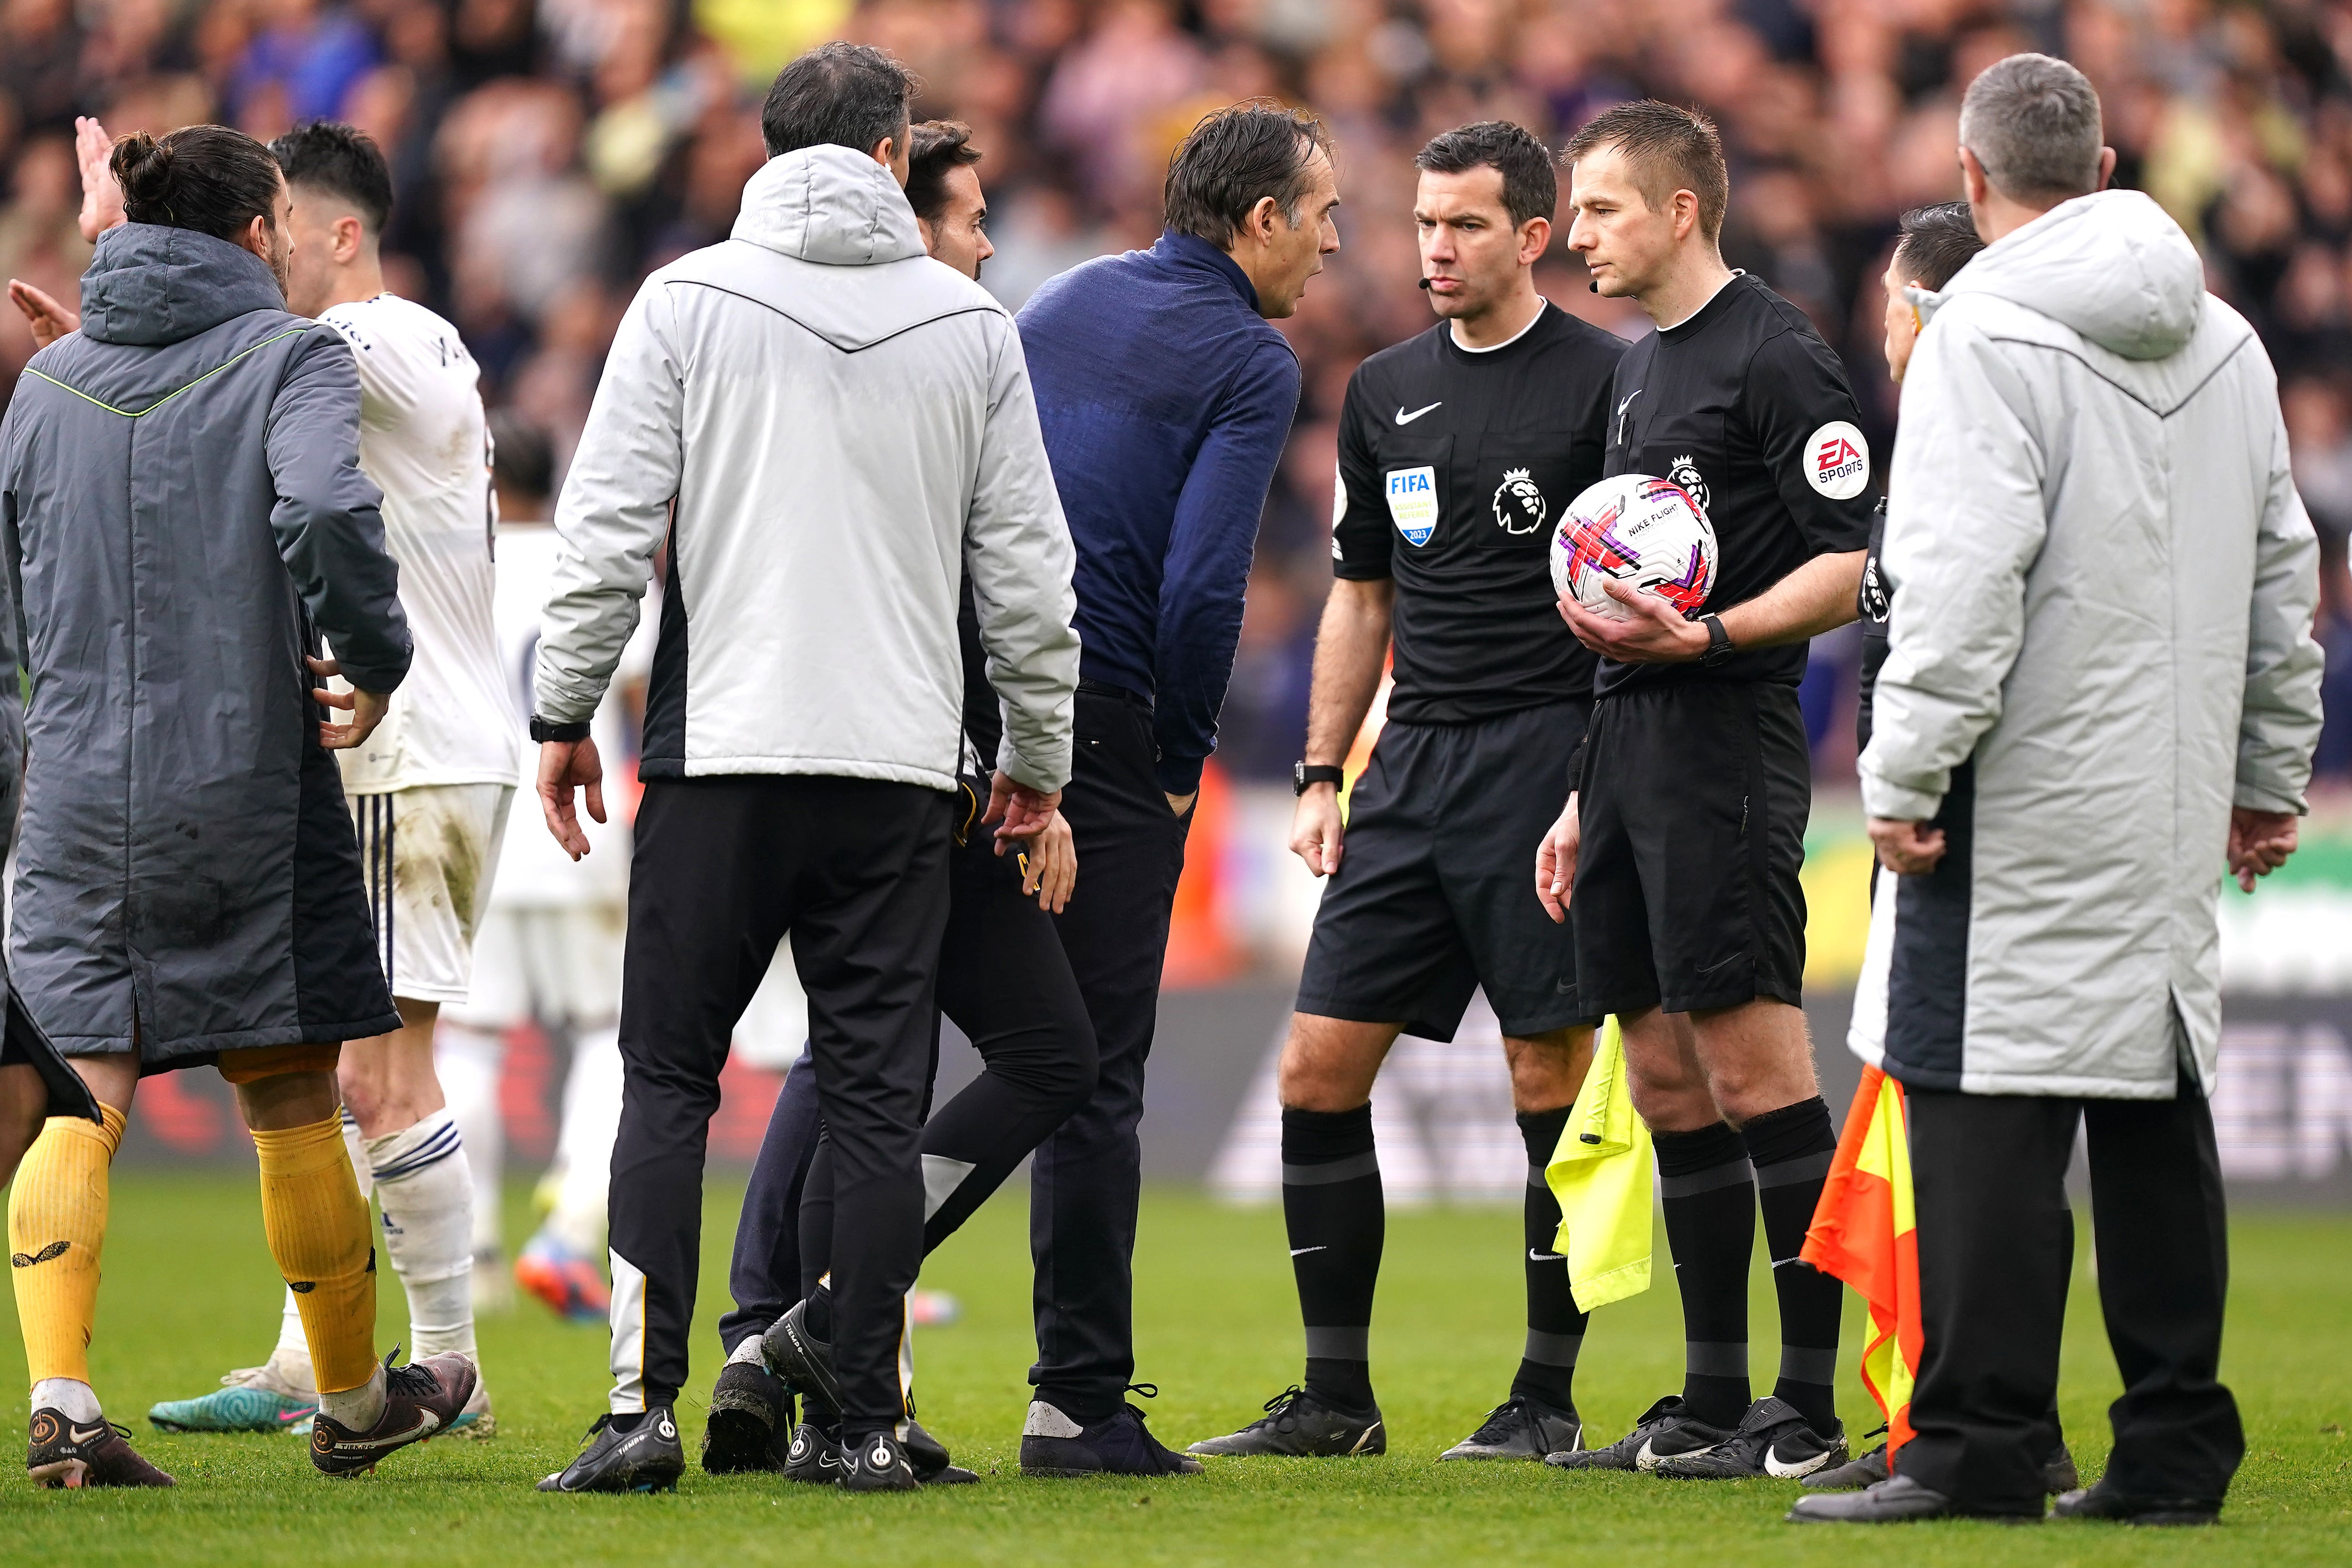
1404,418
1535,1256
1303,1251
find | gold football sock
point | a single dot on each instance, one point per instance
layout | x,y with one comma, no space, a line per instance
56,1228
318,1227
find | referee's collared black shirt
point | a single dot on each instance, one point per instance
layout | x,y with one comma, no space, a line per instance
1455,467
1744,407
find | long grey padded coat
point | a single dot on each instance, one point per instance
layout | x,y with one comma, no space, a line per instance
182,514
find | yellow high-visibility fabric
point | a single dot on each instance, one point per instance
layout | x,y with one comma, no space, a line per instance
1605,1182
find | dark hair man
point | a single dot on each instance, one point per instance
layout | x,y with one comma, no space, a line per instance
943,187
1004,980
1695,783
429,791
802,735
191,893
1166,399
1459,451
2066,747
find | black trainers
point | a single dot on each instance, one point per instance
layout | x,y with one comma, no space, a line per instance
66,1453
1773,1439
1899,1500
927,1456
1852,1476
1053,1444
800,1359
1298,1425
420,1399
1663,1433
2109,1502
813,1456
646,1458
877,1464
1520,1428
750,1421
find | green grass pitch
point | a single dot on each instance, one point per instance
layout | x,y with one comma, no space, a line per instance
189,1293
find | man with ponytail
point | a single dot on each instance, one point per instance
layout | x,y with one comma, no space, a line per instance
195,550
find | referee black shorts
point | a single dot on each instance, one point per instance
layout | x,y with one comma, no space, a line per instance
1436,894
1692,803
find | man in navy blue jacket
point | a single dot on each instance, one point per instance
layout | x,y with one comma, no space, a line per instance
1166,399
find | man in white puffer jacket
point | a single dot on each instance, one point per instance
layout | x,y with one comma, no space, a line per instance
828,428
2101,689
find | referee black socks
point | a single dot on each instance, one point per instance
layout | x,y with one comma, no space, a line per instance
1546,1371
1792,1149
1332,1207
1708,1191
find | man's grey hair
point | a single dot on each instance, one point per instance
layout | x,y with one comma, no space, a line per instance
2033,124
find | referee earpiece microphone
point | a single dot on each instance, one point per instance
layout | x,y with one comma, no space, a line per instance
1425,283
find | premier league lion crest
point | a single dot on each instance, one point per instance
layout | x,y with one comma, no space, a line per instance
1685,473
1519,507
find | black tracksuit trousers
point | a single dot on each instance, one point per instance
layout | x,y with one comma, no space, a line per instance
1002,979
1995,1253
856,870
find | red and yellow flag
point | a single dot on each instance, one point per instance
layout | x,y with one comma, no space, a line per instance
1864,1232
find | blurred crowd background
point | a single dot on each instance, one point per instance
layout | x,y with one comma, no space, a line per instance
549,153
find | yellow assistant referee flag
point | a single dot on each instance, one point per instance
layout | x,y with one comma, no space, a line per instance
1602,1175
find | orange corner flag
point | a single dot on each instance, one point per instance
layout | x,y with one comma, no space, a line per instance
1865,1233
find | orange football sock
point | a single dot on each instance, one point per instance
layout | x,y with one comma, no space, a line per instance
318,1227
56,1228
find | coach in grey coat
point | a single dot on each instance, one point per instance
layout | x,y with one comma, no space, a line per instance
2100,690
188,881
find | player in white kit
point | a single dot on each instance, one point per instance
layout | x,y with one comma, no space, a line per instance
549,950
428,791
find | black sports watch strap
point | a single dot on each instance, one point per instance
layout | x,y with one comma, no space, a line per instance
1305,774
1718,641
543,731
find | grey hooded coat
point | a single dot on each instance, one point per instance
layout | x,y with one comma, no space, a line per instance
181,514
2100,643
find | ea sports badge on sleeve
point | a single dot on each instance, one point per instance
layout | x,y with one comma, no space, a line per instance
1413,503
1837,460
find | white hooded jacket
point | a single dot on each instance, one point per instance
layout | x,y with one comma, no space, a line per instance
2100,642
845,426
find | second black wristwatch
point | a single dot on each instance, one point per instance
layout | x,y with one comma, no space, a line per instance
543,731
1305,774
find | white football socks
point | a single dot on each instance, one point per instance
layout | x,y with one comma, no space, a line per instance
356,1409
426,1189
69,1397
592,1118
468,1061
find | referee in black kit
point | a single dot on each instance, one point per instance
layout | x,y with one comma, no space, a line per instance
1459,452
1685,831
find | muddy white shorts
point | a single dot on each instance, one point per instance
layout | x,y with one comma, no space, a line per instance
427,854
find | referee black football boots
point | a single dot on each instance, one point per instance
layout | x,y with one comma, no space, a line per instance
1520,1428
1299,1425
1773,1439
876,1464
1663,1433
647,1457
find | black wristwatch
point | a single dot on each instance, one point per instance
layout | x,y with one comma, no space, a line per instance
542,730
1718,641
1305,774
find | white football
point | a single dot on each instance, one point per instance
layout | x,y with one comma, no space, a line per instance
1645,532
